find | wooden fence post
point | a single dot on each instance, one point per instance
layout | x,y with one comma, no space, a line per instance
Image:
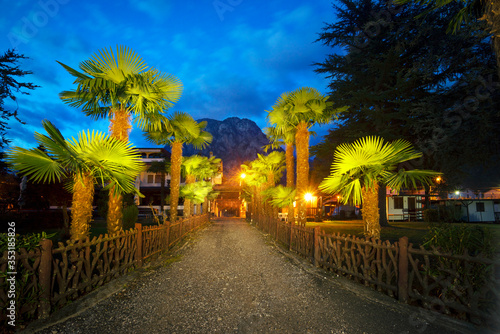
138,251
277,228
403,269
291,236
168,234
316,246
44,278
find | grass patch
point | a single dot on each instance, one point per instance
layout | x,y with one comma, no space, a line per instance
415,231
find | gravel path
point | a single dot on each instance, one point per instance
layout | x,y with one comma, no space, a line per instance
231,279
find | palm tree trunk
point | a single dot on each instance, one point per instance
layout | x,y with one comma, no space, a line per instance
370,211
119,128
269,208
188,204
302,142
162,190
114,219
81,211
290,177
382,200
175,181
205,206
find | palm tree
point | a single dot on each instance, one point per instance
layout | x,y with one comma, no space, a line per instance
359,168
271,166
189,167
179,129
198,168
120,86
196,192
91,157
305,107
280,196
283,134
254,181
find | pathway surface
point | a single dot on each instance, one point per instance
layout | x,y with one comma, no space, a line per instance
230,278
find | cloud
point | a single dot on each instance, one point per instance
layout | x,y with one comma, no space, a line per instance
156,9
236,67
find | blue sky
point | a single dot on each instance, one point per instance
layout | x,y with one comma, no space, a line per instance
234,57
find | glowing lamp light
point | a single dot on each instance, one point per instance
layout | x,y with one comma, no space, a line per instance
457,192
438,179
243,175
308,197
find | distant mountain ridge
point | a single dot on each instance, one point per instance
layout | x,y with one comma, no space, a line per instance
235,141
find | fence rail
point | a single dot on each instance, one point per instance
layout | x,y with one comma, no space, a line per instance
51,275
461,285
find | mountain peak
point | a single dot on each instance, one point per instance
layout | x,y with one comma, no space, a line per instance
235,141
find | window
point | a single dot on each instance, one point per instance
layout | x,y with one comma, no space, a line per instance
158,178
150,178
479,206
398,202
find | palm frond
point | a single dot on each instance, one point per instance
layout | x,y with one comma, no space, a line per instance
35,164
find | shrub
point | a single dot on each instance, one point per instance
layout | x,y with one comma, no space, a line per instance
456,238
463,277
130,215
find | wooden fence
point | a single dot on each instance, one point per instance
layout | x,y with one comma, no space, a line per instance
50,276
460,285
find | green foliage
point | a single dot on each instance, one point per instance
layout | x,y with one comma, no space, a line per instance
458,239
197,191
179,127
121,80
280,196
130,216
26,241
93,153
369,161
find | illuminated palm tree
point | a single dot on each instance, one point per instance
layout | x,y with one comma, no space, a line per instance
359,168
280,196
179,129
120,86
304,107
254,184
198,168
190,165
271,166
91,157
196,192
283,133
